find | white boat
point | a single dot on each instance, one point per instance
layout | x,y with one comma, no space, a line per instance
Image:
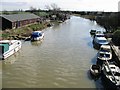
105,48
9,47
111,74
105,53
99,39
95,70
37,35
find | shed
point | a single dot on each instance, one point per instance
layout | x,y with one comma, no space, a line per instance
17,20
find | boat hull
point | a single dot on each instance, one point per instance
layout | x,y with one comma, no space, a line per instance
95,70
12,49
37,38
11,52
108,83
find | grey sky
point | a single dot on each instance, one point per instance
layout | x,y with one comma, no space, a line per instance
79,5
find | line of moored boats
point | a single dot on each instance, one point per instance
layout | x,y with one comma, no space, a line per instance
9,47
105,66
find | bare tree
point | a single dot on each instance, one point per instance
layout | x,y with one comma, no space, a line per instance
5,12
53,7
32,8
47,7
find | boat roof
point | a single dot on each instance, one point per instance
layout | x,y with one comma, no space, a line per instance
105,46
19,17
99,33
101,52
101,38
37,31
7,41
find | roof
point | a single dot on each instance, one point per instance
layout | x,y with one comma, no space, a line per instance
19,17
105,46
7,41
99,34
101,38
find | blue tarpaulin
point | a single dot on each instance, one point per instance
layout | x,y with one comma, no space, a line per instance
36,34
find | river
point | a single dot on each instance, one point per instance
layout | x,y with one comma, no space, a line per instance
61,60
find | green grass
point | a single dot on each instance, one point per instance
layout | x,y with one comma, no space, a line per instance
5,35
35,27
23,31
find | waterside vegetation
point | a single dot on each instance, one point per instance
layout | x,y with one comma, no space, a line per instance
109,20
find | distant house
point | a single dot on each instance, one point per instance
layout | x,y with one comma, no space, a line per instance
17,20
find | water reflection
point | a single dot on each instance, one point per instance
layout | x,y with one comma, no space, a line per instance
12,58
37,43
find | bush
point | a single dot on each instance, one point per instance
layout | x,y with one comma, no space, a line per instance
116,38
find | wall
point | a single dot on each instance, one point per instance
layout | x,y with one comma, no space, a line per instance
6,24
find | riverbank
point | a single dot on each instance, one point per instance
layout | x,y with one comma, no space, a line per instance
24,32
111,25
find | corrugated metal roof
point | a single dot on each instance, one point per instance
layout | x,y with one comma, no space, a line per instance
19,17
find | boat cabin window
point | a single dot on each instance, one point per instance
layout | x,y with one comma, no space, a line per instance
109,73
107,55
117,74
113,67
105,50
102,41
4,48
101,55
104,55
40,34
100,36
1,50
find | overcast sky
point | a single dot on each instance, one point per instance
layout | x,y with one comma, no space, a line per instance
77,5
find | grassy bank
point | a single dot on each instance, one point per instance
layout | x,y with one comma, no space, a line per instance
23,32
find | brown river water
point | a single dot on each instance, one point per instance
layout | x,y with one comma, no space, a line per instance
61,60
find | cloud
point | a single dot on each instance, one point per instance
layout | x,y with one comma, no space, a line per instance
82,5
13,5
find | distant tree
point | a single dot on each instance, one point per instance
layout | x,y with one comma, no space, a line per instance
47,7
32,8
39,9
53,7
5,12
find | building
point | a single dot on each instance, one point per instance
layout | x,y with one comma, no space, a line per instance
17,20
